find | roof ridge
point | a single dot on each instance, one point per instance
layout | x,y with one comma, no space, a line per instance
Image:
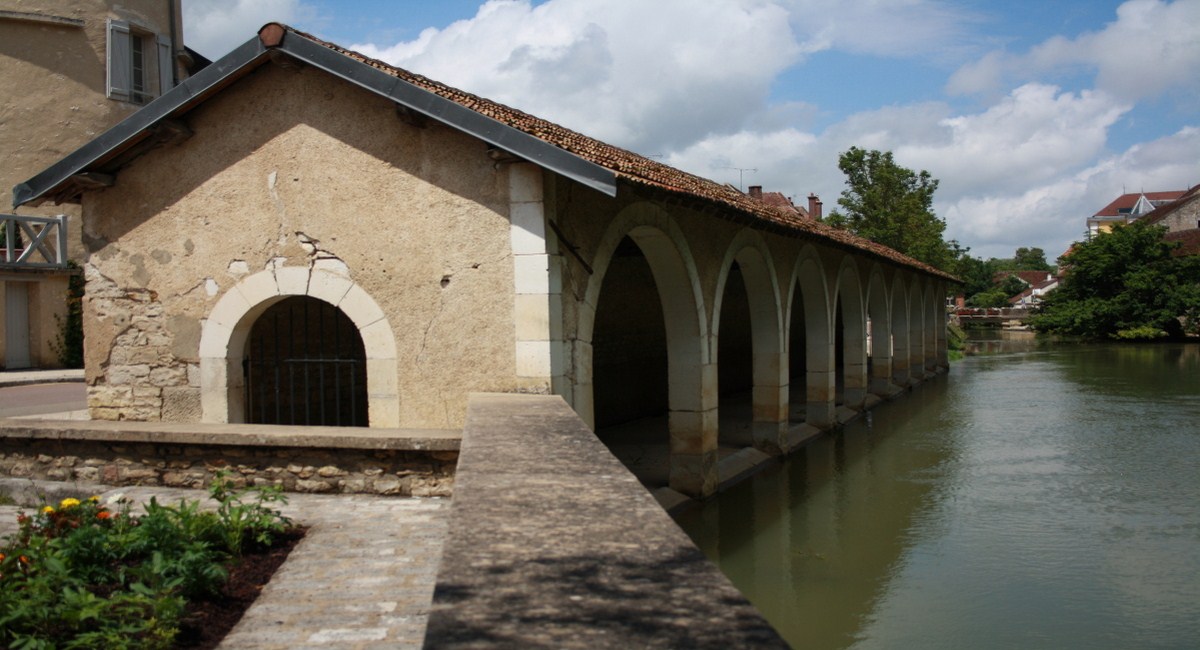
628,165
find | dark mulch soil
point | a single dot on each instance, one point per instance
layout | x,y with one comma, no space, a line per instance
207,622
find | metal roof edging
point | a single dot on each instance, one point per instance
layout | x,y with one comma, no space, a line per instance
451,113
111,140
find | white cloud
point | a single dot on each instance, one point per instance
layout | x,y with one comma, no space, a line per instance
1037,132
214,27
1053,213
648,76
1153,47
896,28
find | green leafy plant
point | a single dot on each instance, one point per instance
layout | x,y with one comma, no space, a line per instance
68,342
88,575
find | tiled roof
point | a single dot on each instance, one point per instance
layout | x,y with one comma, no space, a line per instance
643,172
779,201
1162,211
1189,242
1126,202
1032,278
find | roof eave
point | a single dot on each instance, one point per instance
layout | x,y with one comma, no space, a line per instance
446,111
130,130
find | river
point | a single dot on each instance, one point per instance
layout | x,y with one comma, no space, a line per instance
1039,495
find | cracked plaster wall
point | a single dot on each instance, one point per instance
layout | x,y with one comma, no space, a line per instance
323,175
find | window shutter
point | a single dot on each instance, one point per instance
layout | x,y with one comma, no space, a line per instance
120,60
166,65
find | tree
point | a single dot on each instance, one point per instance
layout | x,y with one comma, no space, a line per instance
1123,282
891,205
1031,259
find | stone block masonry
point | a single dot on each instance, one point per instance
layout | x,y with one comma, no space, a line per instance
316,460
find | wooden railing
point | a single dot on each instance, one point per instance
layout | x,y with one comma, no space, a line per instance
34,242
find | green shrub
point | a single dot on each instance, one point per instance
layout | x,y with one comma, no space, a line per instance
88,575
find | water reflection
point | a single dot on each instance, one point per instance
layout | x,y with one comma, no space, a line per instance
1043,495
803,524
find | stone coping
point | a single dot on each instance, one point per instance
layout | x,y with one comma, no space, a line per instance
236,435
553,543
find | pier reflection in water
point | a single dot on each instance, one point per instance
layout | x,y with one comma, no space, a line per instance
1048,497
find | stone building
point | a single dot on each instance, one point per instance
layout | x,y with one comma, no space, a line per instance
301,235
1181,218
1128,208
70,71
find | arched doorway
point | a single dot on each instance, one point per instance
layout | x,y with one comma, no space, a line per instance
305,364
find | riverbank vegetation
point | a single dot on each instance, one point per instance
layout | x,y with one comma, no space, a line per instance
82,574
1125,284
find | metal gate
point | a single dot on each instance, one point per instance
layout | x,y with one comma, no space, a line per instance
305,365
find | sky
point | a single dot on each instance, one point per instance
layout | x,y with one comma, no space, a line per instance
1032,114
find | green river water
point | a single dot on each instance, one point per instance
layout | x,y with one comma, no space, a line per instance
1038,496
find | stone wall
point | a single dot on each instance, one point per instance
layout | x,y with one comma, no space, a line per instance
324,180
297,469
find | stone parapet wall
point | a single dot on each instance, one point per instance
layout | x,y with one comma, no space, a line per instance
399,473
317,461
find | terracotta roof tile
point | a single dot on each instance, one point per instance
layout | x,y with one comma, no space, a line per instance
1161,212
637,170
1127,201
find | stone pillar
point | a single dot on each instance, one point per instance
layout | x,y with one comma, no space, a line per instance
693,432
770,402
537,284
880,380
854,391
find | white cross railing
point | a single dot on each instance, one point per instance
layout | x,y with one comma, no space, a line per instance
34,242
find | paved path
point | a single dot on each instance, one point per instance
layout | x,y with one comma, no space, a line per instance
362,578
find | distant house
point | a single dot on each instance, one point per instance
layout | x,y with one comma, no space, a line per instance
779,201
1128,208
1040,283
1182,220
70,71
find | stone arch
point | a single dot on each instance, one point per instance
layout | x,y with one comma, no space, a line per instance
692,409
225,331
808,277
769,365
854,332
900,333
879,314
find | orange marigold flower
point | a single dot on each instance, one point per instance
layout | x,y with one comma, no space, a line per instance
1,557
103,514
23,560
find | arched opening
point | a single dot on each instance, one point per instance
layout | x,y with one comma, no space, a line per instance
879,337
839,353
900,354
735,364
811,344
630,388
916,334
305,365
797,360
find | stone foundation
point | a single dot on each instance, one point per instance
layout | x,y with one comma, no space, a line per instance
384,472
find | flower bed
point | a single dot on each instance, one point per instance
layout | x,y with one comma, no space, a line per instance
85,574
